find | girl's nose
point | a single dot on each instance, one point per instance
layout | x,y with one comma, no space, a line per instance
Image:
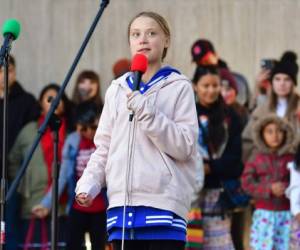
143,39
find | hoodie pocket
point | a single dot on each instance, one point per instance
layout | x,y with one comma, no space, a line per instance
153,175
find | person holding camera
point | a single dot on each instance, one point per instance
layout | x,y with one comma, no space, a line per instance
282,101
262,83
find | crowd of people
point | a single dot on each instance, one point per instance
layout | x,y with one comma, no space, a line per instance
201,166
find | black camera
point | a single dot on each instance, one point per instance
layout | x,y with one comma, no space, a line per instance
267,64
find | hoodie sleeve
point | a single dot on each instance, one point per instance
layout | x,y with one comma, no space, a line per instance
295,200
199,172
293,191
93,178
176,137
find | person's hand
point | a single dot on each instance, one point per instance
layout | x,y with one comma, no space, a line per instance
263,75
135,101
262,79
40,211
83,199
278,189
138,104
129,94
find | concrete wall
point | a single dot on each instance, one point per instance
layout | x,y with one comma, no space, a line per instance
243,31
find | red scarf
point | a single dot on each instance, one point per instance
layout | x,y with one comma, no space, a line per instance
47,146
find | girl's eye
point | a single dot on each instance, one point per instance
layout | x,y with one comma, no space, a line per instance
135,34
151,33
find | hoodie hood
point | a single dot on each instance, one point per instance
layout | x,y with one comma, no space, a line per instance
162,77
286,147
161,74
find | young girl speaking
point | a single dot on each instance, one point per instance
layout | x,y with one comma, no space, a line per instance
159,181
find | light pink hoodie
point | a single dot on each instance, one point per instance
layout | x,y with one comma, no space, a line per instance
163,173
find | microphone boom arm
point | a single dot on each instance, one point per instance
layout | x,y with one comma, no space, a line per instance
56,101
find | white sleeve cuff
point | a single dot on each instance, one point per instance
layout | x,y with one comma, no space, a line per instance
93,190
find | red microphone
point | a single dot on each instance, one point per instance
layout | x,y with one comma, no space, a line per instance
139,65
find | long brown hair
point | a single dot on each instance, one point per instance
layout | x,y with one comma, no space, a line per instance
217,114
94,77
292,101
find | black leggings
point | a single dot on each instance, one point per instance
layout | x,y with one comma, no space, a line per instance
149,245
79,223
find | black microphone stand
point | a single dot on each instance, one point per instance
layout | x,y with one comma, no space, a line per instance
4,149
53,107
54,124
5,47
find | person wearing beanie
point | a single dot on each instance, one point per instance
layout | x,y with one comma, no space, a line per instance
282,101
244,94
287,65
228,81
229,93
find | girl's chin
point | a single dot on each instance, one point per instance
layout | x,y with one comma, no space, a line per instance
208,103
282,94
211,101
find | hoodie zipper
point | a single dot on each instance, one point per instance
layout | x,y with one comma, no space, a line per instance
134,130
155,89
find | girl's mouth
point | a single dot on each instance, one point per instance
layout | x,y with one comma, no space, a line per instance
143,50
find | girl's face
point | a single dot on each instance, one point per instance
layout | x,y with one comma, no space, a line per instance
87,89
282,85
45,104
88,131
229,94
147,37
208,89
273,136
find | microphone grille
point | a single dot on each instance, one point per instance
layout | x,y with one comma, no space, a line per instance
13,27
139,63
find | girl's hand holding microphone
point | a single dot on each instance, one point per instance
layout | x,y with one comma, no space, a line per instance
83,199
